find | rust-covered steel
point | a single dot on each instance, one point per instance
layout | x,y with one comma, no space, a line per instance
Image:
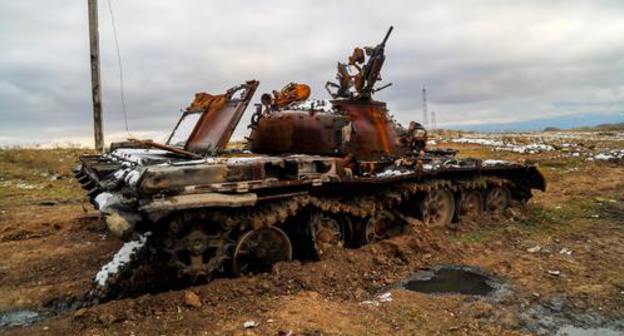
339,172
291,93
218,116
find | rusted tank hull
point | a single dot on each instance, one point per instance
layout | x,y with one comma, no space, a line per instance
243,181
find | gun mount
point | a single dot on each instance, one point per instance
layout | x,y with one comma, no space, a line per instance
366,76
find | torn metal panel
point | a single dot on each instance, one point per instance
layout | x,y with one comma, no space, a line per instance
219,117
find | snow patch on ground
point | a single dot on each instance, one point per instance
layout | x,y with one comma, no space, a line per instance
385,297
526,149
27,186
477,141
569,145
122,257
612,155
499,145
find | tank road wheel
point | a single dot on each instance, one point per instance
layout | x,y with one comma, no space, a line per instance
195,250
326,232
382,226
471,204
257,250
497,199
437,208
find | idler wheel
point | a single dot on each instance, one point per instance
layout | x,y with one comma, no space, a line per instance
257,250
471,204
437,208
326,233
497,199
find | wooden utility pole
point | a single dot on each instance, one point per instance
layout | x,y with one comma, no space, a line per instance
96,88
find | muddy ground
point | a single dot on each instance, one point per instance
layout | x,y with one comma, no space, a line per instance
51,246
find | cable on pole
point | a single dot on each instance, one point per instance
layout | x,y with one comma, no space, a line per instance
122,94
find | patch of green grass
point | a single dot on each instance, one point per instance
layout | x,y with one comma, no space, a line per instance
562,163
480,236
537,220
536,215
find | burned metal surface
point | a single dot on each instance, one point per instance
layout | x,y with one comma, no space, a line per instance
368,72
346,161
216,118
357,125
289,94
291,131
373,134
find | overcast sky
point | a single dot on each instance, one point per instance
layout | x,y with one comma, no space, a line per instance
482,61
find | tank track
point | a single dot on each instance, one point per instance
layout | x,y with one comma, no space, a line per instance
165,247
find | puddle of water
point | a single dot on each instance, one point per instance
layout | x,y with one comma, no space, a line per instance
451,279
577,331
19,318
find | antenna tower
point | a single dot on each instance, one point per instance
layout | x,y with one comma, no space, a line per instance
424,107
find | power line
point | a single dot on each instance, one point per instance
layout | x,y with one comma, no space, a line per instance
122,94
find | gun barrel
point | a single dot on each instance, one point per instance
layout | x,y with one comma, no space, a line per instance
387,36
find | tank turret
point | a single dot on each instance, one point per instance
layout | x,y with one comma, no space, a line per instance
352,123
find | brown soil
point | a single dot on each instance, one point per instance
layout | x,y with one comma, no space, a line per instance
50,254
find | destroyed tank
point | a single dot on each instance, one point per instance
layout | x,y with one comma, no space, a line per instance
313,175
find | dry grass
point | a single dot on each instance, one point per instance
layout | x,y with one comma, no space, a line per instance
30,176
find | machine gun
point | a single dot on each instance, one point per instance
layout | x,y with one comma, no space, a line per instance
372,68
367,76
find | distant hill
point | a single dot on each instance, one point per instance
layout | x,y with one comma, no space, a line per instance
611,127
605,122
601,127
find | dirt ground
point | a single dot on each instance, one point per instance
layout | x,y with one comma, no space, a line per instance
51,246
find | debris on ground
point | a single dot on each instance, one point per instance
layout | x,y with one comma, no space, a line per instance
385,297
250,324
191,299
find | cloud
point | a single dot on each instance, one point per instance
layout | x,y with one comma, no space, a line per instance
482,61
